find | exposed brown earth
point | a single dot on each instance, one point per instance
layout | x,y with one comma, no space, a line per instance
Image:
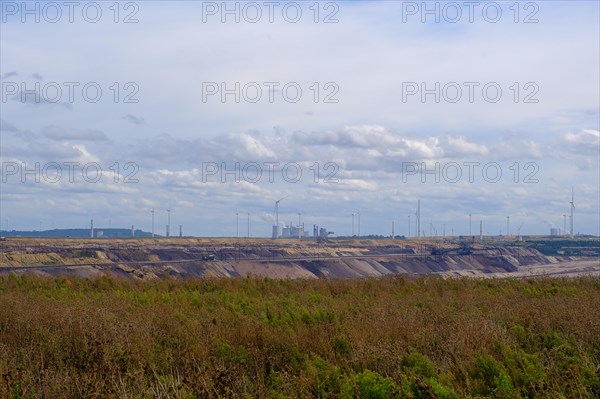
290,259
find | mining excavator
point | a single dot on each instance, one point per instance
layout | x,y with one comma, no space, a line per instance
464,249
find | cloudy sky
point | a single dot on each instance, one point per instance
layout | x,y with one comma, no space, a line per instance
211,109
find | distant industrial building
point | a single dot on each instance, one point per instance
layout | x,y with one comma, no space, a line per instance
321,232
554,232
291,231
297,231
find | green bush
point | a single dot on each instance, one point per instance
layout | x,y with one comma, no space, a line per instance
370,385
491,378
418,364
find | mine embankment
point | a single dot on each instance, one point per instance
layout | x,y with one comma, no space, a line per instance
147,259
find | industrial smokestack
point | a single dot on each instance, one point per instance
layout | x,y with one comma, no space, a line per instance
168,222
180,231
132,230
92,228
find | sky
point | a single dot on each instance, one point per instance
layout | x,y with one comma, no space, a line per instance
215,110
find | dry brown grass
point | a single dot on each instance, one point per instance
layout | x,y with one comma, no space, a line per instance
399,337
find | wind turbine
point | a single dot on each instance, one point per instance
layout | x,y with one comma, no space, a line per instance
277,215
519,232
419,220
572,209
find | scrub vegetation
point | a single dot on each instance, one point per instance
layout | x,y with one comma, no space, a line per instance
395,337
